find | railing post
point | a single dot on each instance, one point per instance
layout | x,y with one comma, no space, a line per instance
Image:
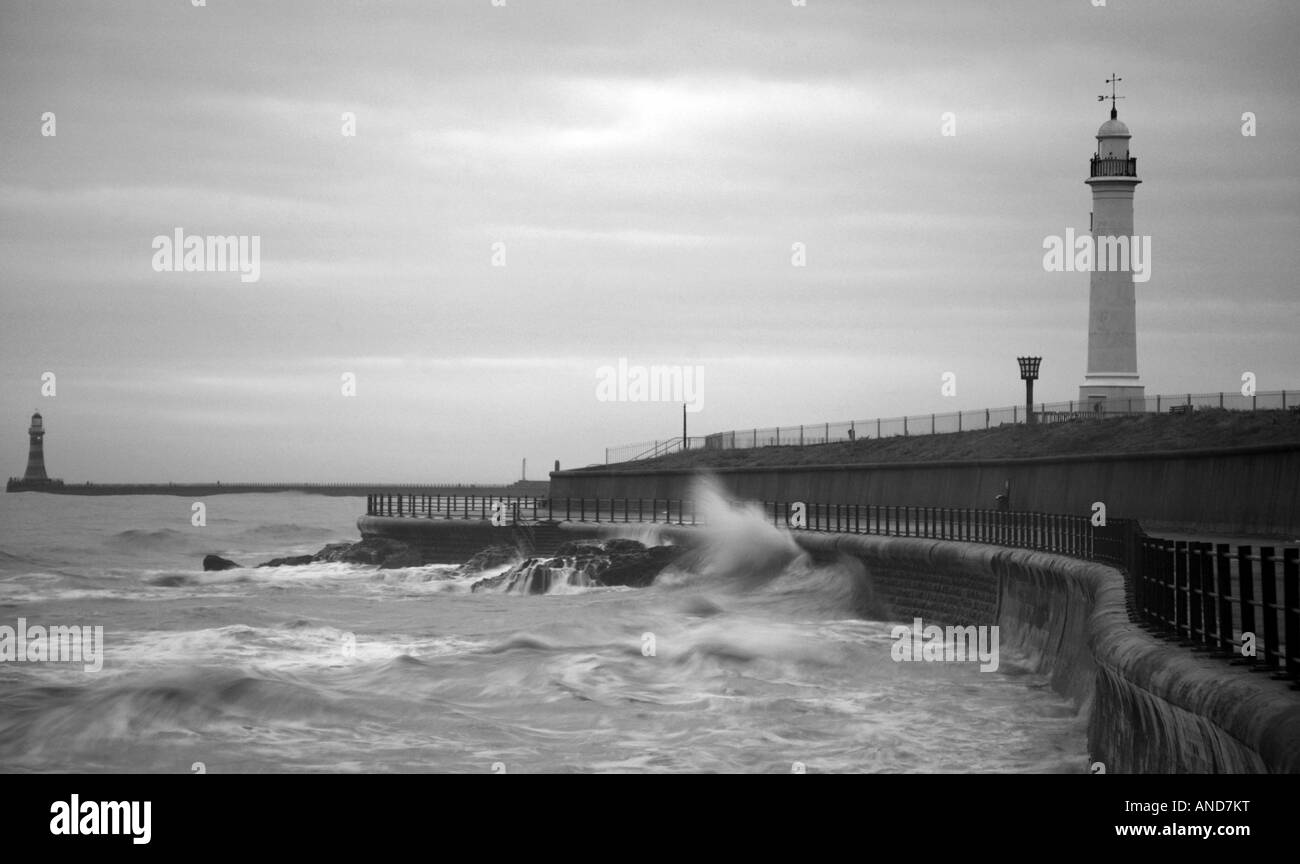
1268,586
1291,597
1223,568
1180,590
1168,600
1209,608
1196,591
1246,590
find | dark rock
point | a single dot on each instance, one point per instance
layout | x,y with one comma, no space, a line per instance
333,551
490,583
291,561
622,546
486,559
369,550
580,547
613,562
638,569
408,557
216,562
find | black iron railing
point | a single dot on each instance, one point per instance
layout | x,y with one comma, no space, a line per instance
1113,166
1047,532
1214,598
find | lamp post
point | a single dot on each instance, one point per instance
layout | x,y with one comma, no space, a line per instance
1028,374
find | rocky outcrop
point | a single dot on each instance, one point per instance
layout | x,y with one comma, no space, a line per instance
486,559
381,552
585,563
386,554
291,561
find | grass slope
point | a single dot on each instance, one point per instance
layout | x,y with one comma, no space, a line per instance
1141,433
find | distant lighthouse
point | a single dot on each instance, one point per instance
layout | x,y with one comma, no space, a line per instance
35,479
36,452
1111,382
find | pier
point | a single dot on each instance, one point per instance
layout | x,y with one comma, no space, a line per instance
347,490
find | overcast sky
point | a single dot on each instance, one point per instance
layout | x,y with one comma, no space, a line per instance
647,167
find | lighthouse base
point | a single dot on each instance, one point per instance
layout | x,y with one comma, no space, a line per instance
1112,394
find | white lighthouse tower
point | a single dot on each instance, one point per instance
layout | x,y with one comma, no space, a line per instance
1111,382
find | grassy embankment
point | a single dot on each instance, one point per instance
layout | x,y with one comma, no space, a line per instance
1141,433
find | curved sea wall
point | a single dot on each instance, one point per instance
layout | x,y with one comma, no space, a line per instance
1240,490
1152,707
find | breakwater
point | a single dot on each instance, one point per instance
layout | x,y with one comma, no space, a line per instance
357,490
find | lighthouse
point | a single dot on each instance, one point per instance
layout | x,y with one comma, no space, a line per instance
1111,381
36,452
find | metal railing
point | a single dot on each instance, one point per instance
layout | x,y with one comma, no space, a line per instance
1204,596
1066,534
1113,166
956,421
1208,596
653,449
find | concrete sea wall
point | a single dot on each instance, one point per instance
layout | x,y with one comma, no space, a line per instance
1151,706
1233,491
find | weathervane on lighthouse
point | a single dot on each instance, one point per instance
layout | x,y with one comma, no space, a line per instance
1112,81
